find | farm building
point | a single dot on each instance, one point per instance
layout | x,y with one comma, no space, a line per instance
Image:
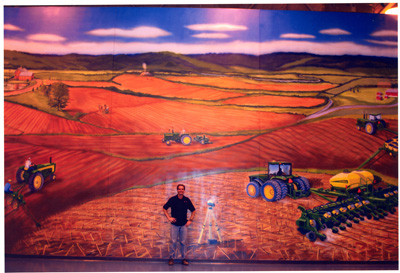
23,74
391,93
385,84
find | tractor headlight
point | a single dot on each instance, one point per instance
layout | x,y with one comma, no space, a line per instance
359,205
335,212
351,207
386,195
313,223
343,209
366,202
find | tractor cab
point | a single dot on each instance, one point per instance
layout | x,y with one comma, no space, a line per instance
279,169
374,117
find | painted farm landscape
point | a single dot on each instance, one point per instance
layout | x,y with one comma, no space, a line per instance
114,173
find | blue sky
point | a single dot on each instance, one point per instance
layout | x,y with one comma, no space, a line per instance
129,30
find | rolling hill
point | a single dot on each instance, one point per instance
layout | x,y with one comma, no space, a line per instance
205,63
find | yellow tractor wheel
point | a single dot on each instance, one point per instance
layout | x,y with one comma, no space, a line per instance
271,191
253,189
20,176
36,182
186,140
370,128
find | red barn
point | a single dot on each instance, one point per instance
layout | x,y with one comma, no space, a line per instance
391,93
385,84
22,74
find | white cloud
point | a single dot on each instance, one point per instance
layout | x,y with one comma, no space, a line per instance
334,31
46,38
254,48
297,36
216,27
138,32
12,27
385,33
388,43
211,35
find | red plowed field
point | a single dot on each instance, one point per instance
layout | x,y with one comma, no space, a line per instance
159,117
83,175
225,82
29,121
154,86
280,101
137,147
87,100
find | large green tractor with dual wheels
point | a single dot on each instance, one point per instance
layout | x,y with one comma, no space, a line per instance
36,175
277,183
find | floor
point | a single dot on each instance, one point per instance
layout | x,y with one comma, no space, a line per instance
37,264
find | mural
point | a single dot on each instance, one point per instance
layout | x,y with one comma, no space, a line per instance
281,125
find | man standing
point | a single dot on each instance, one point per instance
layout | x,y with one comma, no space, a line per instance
179,205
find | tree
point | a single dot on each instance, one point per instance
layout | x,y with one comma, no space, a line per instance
45,89
58,95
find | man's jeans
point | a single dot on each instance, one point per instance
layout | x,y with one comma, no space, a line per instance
178,235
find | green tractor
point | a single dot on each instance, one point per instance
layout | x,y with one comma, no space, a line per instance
35,176
371,123
183,138
277,183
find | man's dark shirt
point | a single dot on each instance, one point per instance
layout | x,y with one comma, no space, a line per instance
179,209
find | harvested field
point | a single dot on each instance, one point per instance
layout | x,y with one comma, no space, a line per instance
23,120
131,224
280,101
159,87
225,82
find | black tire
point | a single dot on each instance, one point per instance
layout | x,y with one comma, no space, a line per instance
52,177
253,189
271,191
306,183
370,128
311,236
284,189
20,176
300,184
36,182
186,140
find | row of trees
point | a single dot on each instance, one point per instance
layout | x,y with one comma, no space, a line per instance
57,93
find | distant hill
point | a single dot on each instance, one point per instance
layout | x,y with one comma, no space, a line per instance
214,63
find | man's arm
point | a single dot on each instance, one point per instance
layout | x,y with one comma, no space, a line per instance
191,218
170,219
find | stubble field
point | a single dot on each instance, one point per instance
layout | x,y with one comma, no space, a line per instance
132,224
